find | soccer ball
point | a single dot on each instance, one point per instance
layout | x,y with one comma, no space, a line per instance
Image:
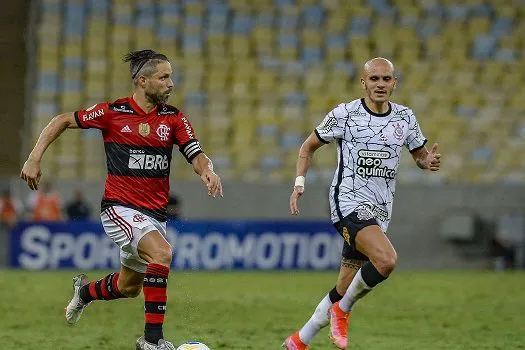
193,345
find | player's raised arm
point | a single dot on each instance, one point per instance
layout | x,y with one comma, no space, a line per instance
204,167
31,170
426,159
309,146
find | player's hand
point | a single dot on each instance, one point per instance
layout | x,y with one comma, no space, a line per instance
31,173
433,159
212,182
297,192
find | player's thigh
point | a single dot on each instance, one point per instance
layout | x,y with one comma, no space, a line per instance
348,227
126,227
351,258
153,246
374,243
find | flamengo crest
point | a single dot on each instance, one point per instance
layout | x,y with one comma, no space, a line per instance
163,131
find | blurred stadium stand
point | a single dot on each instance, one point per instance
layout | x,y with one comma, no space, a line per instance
255,77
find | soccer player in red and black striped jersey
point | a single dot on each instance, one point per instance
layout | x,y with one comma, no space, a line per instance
139,133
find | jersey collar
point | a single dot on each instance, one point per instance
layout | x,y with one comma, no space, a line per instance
137,108
374,113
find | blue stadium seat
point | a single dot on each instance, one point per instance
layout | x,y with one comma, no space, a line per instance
167,32
74,19
169,9
482,10
457,12
360,26
48,82
242,24
145,19
484,46
312,55
313,16
51,6
98,7
283,3
502,26
46,109
428,27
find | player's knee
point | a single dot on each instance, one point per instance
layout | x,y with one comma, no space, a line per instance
386,262
162,256
130,291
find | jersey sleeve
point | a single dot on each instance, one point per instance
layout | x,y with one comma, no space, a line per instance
415,139
184,136
95,116
333,125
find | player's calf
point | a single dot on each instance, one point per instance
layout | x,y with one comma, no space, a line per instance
131,291
365,279
155,299
154,248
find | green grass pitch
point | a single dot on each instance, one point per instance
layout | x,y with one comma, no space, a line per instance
257,310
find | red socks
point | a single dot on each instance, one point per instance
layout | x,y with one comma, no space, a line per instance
155,297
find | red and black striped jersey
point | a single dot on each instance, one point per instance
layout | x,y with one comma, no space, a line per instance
138,149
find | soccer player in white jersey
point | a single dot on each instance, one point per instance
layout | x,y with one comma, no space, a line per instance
370,134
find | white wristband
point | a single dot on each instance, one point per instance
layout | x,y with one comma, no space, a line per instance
299,181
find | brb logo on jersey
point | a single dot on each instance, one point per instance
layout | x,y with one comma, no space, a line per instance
138,159
370,164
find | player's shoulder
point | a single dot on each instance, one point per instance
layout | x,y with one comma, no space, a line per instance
168,110
121,105
344,109
352,105
402,111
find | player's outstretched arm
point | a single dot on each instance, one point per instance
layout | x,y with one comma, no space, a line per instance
309,146
426,159
204,167
31,170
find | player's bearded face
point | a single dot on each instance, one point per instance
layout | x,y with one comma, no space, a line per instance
159,85
157,95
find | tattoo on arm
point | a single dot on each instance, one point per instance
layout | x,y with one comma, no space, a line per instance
421,163
352,263
308,156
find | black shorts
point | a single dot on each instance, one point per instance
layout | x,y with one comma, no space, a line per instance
348,228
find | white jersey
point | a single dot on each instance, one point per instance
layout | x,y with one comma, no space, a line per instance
368,154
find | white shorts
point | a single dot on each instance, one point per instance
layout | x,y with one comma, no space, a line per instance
126,227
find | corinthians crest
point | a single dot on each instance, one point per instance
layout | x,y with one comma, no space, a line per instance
398,131
144,129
